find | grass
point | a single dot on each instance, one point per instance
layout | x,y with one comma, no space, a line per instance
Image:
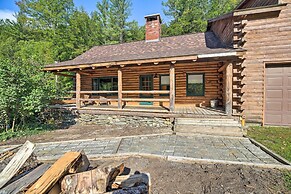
278,139
287,179
25,131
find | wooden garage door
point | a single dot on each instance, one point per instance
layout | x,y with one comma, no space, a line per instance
278,95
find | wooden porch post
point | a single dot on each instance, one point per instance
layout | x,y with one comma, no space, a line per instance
119,88
78,90
172,87
228,89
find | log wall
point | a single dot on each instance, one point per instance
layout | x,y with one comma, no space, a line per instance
131,75
223,29
266,40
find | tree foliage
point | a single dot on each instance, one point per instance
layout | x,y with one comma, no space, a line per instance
189,16
112,16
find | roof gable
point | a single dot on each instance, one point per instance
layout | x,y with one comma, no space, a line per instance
255,3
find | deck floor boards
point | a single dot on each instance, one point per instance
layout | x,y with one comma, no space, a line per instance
182,110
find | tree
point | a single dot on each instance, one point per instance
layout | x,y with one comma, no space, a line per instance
120,11
46,14
134,32
101,17
112,16
84,32
189,16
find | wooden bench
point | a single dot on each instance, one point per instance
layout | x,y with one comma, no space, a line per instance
145,100
100,101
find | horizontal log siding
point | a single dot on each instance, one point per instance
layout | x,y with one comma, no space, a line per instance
223,29
131,80
267,40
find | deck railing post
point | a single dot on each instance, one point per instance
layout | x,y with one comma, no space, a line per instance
172,87
78,90
119,88
228,96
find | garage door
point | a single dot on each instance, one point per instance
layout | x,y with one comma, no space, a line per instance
278,95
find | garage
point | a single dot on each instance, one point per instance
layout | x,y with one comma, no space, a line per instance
278,94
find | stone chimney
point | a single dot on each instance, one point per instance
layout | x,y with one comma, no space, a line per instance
153,27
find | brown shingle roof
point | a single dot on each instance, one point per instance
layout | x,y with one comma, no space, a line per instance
176,46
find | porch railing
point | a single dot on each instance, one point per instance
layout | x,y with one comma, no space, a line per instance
124,100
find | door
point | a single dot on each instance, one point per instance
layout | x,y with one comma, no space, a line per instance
278,94
146,84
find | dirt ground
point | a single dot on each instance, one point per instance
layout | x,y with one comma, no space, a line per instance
182,178
77,132
174,177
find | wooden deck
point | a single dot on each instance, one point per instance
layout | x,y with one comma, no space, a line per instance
158,111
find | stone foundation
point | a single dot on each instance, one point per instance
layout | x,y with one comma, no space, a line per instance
132,121
62,118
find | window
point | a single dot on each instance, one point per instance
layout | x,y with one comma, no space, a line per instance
195,85
164,83
105,84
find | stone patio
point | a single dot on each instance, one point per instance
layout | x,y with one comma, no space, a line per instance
236,149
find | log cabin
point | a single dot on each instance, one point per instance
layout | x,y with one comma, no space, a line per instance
240,67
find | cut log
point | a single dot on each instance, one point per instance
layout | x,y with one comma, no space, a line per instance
94,181
141,189
81,165
56,189
135,180
24,182
60,168
16,163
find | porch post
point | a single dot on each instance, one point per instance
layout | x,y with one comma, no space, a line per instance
78,90
228,89
119,88
172,87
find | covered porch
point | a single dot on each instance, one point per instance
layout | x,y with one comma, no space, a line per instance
180,85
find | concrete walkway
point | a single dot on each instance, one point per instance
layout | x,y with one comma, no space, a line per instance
234,149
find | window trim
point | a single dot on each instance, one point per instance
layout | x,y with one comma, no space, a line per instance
98,80
152,85
187,92
160,83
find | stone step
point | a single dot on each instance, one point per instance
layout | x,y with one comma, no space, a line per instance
209,130
207,122
212,125
204,121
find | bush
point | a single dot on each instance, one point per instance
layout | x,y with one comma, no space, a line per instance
24,91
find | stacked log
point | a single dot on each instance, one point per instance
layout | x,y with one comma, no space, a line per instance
70,174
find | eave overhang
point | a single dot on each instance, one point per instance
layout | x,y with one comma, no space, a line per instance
234,54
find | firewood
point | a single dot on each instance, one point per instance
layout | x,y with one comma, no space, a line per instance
56,189
24,182
59,169
134,180
16,163
81,165
94,181
141,189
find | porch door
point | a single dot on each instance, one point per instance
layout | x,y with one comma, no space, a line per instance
146,84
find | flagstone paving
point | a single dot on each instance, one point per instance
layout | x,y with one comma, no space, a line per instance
199,146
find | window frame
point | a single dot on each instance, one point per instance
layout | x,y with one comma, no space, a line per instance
160,83
98,84
151,76
187,79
